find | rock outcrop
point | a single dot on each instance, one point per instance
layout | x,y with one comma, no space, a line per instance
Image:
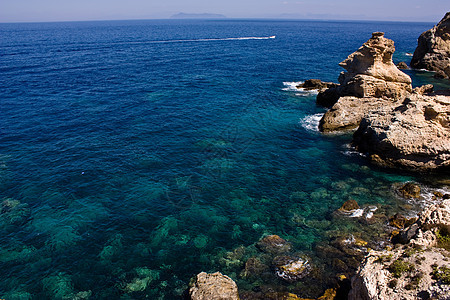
398,126
370,73
414,135
409,272
316,84
348,112
403,273
433,49
372,81
213,287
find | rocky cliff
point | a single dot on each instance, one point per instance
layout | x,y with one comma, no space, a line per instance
398,126
414,135
370,73
433,49
372,81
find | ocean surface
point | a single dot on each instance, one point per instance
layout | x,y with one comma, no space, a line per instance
136,154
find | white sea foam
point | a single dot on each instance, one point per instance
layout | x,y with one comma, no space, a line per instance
370,210
351,151
357,213
292,86
311,122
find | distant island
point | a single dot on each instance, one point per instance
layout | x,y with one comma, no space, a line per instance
197,16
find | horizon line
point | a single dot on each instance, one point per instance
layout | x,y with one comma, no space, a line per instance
217,19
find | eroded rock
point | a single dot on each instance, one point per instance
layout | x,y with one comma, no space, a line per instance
411,136
370,73
291,268
213,287
433,49
402,273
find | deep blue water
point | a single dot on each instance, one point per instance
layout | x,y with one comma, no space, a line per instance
141,152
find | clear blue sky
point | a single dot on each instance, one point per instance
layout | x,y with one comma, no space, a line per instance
71,10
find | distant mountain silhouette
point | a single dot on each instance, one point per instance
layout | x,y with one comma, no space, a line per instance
197,16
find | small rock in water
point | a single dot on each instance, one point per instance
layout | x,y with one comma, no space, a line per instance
274,244
398,221
402,65
410,190
349,205
213,287
291,268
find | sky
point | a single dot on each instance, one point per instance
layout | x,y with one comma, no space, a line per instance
81,10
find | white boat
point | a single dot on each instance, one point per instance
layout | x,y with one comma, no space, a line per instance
272,37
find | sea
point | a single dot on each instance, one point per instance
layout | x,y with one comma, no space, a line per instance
137,154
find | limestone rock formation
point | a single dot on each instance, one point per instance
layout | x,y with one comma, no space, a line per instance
374,58
213,287
433,49
403,273
419,270
370,73
348,112
436,214
415,135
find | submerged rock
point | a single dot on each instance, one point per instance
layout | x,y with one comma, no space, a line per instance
433,49
13,213
213,287
291,268
349,205
410,190
274,244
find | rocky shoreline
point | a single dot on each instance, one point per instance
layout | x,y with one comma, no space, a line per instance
395,126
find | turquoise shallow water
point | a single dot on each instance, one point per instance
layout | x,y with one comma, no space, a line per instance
136,154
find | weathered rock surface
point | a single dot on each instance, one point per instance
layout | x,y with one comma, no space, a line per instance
408,272
316,84
213,287
348,112
410,190
400,274
414,135
433,49
372,81
274,244
436,214
374,58
370,73
291,268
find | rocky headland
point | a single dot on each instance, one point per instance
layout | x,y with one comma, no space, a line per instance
397,126
414,135
433,49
